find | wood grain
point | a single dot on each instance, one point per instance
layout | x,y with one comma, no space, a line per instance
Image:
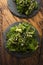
6,19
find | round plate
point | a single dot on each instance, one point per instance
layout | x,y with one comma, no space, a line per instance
19,55
13,9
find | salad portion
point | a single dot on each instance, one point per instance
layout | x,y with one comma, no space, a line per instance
26,7
22,38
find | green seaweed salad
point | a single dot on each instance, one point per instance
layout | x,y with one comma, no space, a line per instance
22,38
26,7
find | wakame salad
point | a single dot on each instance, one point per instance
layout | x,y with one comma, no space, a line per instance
26,7
22,38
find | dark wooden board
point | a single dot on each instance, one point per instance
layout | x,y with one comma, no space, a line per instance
8,19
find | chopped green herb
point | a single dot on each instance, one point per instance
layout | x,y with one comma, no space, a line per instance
26,7
22,38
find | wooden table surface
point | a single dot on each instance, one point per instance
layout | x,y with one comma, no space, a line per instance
6,19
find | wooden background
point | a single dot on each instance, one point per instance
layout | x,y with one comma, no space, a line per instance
6,19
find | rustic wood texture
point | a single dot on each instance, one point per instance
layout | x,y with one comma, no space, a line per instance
6,19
